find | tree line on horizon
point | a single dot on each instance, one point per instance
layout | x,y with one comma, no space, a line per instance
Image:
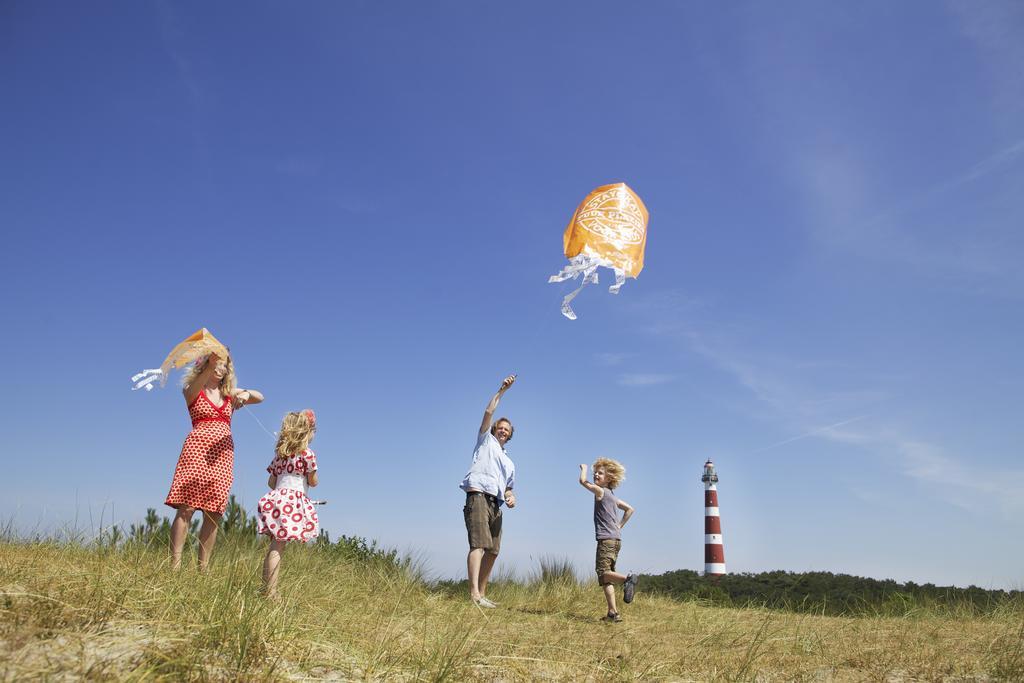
827,593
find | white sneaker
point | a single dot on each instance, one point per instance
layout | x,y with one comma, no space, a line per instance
485,603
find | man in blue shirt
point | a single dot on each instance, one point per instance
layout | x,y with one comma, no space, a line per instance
488,484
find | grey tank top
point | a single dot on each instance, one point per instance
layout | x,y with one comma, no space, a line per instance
606,523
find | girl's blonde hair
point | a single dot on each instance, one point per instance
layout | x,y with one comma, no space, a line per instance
613,469
227,382
297,431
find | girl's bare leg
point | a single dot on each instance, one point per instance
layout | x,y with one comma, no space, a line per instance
207,537
179,530
271,564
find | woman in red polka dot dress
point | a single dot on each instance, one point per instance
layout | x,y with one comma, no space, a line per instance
205,468
285,513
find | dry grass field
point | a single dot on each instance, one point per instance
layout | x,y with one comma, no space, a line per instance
70,612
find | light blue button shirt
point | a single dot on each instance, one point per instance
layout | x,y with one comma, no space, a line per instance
492,471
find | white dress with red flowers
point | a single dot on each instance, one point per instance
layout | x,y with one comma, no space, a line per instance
286,513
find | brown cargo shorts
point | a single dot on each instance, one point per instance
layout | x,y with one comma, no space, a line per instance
607,553
483,522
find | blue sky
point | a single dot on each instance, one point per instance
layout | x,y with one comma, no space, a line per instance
365,200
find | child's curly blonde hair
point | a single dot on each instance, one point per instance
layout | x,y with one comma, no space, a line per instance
297,431
613,469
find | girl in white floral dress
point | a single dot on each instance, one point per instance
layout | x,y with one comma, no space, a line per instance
285,513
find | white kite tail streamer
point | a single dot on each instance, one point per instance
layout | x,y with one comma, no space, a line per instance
620,279
586,265
146,379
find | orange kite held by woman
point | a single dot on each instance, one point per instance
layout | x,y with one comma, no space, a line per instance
196,346
608,229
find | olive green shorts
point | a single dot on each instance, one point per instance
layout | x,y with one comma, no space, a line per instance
483,522
607,553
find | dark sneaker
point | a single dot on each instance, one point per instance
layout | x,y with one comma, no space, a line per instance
612,617
629,588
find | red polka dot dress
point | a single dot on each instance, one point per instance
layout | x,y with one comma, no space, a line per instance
286,513
206,466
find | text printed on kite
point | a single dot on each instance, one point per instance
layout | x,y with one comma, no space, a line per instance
609,229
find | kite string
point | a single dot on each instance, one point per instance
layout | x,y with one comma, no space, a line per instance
272,435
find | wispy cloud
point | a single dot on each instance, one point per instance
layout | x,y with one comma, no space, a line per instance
899,197
995,27
968,486
675,301
640,379
787,400
172,36
610,359
773,380
354,202
915,230
830,429
298,167
992,163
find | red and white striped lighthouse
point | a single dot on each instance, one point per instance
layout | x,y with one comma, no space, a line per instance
714,552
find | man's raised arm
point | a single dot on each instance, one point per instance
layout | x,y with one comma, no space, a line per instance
493,405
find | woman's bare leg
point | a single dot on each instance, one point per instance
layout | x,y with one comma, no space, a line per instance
271,564
179,530
207,537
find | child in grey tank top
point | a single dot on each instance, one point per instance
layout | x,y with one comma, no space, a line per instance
606,516
608,474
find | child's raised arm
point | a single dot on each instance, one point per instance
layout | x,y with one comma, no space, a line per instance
593,488
627,512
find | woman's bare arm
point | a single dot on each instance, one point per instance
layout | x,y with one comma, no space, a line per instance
244,397
192,390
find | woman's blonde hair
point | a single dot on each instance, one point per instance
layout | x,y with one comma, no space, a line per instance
227,382
297,431
615,473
